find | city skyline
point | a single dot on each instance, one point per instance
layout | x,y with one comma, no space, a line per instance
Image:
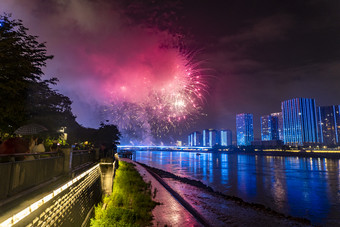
300,122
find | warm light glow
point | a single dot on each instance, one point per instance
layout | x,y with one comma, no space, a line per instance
25,212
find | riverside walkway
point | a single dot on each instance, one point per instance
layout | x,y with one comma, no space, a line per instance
56,190
68,198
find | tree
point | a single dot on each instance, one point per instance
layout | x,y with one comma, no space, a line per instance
108,134
24,96
47,107
21,60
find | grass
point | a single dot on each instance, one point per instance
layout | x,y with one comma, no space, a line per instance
130,203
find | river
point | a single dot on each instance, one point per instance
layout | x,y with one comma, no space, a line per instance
296,186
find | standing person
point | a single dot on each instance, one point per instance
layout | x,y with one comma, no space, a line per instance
14,146
39,147
103,150
33,142
54,147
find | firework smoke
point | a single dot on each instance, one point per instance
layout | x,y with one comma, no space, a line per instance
146,83
164,107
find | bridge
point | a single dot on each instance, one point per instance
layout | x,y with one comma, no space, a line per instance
162,148
54,188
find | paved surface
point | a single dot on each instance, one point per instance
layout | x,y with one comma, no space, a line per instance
20,203
170,212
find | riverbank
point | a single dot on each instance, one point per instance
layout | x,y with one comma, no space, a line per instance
289,154
220,209
168,212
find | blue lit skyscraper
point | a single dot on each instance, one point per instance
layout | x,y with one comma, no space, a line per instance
271,127
197,139
190,139
213,137
266,127
205,138
329,125
299,121
225,138
244,129
278,123
337,119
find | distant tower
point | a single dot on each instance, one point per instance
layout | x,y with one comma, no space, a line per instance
205,138
266,127
197,137
244,129
271,127
213,137
190,139
299,121
225,138
329,125
278,118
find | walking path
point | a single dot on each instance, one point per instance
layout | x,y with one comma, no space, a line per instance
170,212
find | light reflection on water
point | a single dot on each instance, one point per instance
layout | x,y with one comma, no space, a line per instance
304,187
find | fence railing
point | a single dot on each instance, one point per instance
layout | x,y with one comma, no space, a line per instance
67,205
80,157
18,176
20,172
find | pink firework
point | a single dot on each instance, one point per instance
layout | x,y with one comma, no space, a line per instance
180,93
167,101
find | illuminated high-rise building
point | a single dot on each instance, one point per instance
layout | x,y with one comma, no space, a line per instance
271,127
337,117
190,139
278,135
299,121
244,129
329,125
225,138
266,127
213,137
197,139
205,138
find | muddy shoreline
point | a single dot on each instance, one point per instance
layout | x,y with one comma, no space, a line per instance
237,200
291,154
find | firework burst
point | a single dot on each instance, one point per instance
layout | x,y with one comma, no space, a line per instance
160,104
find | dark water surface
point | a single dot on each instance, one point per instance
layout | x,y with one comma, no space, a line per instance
303,187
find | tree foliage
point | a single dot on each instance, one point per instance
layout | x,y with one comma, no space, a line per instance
24,96
106,134
21,59
49,108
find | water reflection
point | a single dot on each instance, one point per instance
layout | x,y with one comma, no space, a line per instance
305,187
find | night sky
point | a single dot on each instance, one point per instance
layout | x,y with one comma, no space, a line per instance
254,54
